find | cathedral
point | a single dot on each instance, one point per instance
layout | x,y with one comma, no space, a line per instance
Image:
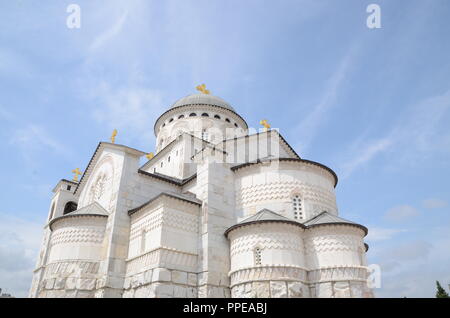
219,210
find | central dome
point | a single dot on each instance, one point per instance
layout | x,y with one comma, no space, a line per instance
202,99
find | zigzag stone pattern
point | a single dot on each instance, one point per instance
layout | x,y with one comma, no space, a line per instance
162,256
74,235
281,191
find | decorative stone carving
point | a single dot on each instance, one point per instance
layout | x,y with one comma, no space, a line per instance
278,289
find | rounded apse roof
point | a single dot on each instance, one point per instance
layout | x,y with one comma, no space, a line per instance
204,99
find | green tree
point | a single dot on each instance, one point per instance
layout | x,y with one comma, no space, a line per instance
441,293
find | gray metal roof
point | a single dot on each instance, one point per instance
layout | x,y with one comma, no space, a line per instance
183,197
326,218
265,215
323,218
93,209
202,99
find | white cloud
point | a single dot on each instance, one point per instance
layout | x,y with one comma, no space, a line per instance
411,269
19,246
382,234
434,204
409,251
401,213
131,109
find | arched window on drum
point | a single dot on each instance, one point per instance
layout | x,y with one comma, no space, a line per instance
297,207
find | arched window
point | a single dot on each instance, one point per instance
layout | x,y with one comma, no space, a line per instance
170,120
161,164
192,114
70,207
168,159
235,125
164,124
257,254
205,115
181,116
227,120
297,207
52,211
216,116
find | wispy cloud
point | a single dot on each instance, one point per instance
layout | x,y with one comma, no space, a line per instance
401,213
366,154
110,33
310,124
434,203
382,234
33,138
419,132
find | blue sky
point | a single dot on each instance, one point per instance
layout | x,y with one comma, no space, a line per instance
372,104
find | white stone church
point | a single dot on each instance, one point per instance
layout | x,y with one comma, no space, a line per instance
218,211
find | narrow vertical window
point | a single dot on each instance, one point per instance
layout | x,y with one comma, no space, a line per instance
143,234
257,256
205,135
297,207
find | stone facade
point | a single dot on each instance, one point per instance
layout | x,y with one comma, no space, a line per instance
219,211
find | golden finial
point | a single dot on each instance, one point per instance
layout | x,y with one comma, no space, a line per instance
265,123
202,88
113,136
150,155
77,172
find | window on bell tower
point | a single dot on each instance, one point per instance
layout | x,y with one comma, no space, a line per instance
297,207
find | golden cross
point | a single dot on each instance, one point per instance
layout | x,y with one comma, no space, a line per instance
113,136
77,172
265,123
202,88
150,155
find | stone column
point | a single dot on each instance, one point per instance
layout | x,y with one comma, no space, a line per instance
118,231
215,181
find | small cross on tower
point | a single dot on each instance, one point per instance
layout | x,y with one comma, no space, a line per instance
202,88
113,136
265,123
77,172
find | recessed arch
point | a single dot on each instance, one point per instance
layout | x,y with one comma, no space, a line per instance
205,115
70,207
216,116
192,114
